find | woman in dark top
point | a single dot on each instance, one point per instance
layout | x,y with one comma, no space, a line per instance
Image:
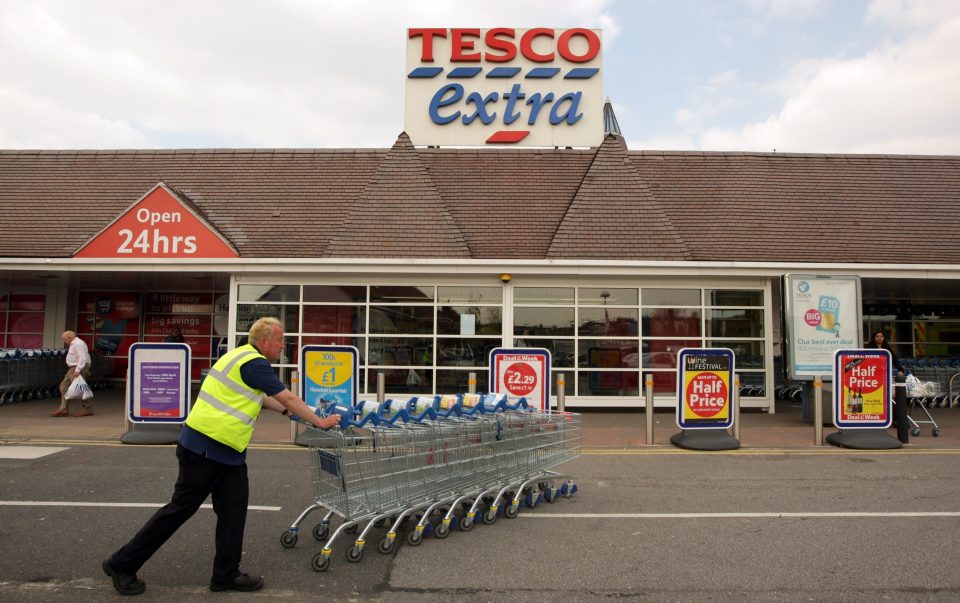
879,340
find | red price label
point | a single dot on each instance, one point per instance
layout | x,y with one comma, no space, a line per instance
706,395
812,318
520,379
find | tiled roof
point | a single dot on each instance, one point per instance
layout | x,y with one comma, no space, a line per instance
606,203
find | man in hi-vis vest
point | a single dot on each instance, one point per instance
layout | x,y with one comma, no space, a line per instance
212,455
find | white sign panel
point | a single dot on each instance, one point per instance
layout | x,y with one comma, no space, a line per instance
523,373
528,87
822,316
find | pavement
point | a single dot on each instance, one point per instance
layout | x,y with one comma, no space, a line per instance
29,422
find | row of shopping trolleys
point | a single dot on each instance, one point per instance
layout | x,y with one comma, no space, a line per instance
443,462
35,374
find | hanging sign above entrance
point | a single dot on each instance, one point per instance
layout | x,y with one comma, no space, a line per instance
159,225
528,87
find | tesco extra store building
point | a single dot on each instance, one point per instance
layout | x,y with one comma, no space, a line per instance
509,213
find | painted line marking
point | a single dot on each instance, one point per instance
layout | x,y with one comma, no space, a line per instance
869,515
66,503
27,452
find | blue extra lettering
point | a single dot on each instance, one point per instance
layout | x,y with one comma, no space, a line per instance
571,116
448,95
509,114
536,103
481,104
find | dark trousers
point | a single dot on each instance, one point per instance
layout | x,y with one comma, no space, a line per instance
198,477
900,411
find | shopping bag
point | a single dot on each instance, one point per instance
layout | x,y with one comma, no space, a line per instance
79,389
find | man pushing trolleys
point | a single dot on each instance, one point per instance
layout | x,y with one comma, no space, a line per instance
211,452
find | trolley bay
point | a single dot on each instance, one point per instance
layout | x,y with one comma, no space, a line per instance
837,525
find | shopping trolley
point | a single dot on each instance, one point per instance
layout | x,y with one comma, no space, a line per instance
920,394
398,459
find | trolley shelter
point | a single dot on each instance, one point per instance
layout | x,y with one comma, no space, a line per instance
705,388
158,388
522,372
330,375
863,390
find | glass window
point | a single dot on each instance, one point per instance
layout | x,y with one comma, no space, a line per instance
401,294
724,297
458,381
612,297
336,294
407,380
469,320
662,353
748,354
334,319
608,321
272,293
543,321
735,323
400,351
247,314
413,320
543,295
671,322
464,352
469,295
561,350
670,297
608,353
608,383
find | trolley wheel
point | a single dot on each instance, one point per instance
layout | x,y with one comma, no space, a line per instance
550,495
936,432
320,531
414,538
489,517
352,529
533,499
379,523
354,554
915,431
320,562
288,539
385,545
442,530
511,510
466,524
543,485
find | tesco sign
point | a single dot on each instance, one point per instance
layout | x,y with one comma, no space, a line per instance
529,87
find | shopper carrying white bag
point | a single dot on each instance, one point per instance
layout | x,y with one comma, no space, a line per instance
79,390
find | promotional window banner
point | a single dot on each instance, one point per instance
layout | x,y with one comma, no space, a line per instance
522,373
705,392
862,390
527,87
822,315
158,383
329,373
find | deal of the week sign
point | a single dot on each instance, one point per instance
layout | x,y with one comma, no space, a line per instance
861,389
329,372
531,87
523,373
705,388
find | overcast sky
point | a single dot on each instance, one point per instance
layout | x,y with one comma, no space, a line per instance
838,76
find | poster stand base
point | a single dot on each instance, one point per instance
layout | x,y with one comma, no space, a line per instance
705,439
864,439
161,433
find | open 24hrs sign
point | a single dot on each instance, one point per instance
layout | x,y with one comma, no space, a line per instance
705,388
158,225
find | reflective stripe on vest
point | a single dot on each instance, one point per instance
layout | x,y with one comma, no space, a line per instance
226,408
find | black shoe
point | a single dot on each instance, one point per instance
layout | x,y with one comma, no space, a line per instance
125,584
241,582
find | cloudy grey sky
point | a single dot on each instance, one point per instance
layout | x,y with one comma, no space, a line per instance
847,76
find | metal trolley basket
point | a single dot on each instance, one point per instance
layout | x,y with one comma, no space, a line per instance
920,394
400,460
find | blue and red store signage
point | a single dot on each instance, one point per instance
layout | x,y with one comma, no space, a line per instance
532,87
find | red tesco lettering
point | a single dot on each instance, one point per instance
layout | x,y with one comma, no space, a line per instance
501,41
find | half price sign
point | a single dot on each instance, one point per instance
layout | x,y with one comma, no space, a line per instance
705,392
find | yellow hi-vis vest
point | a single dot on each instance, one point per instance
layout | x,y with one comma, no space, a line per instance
226,408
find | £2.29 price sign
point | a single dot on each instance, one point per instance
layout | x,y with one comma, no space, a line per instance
522,373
